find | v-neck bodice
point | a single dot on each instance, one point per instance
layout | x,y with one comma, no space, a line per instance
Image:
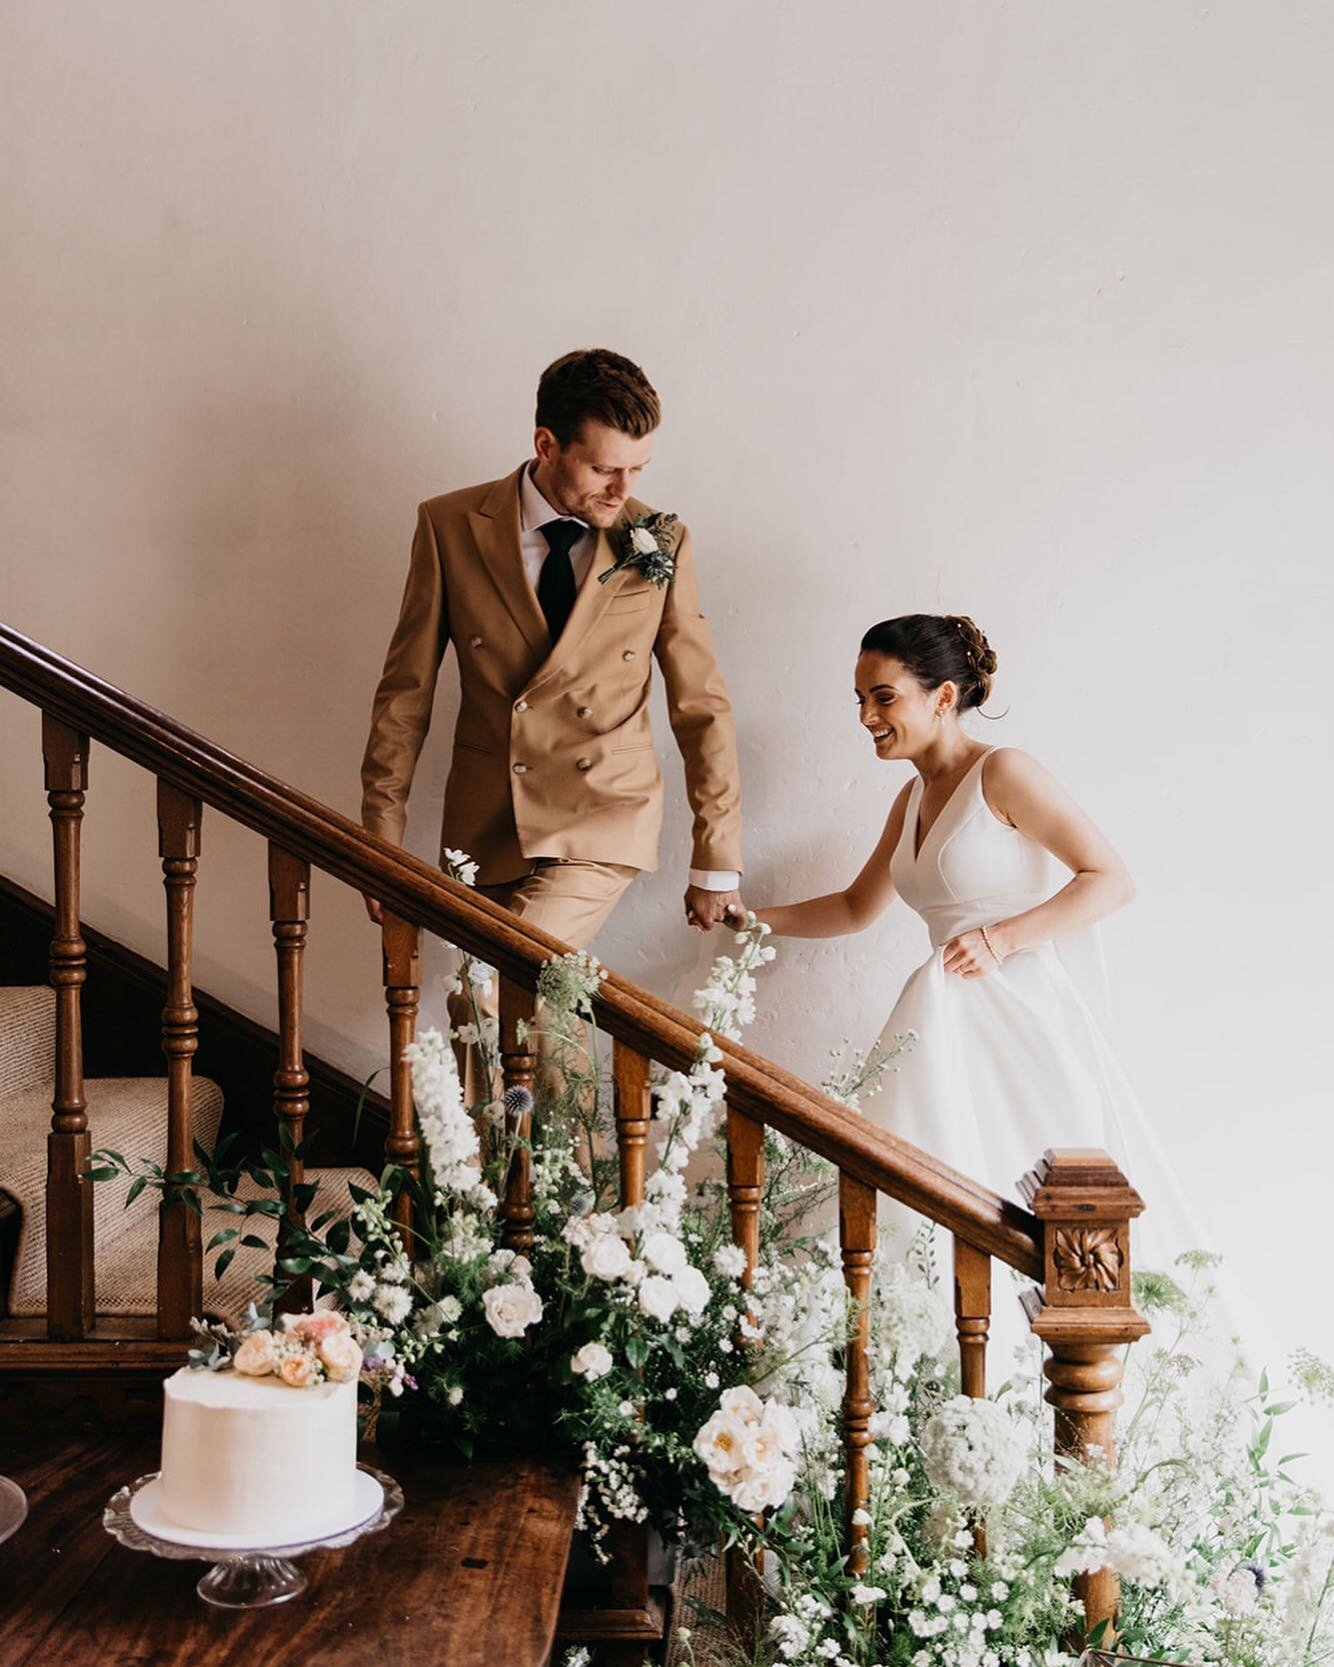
971,868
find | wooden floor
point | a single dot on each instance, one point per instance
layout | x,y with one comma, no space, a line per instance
470,1573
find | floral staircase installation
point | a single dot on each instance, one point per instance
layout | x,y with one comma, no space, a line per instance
712,1362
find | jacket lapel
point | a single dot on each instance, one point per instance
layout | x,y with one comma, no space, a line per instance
495,529
591,602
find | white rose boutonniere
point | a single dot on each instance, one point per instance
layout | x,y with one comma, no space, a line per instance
648,544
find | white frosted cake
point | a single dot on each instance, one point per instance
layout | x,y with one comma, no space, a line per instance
244,1455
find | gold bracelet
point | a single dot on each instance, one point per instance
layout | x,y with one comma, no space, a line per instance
986,939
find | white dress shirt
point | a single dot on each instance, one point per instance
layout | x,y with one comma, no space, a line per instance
534,513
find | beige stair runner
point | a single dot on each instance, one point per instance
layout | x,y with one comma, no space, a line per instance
129,1115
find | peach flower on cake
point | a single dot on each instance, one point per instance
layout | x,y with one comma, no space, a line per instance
257,1356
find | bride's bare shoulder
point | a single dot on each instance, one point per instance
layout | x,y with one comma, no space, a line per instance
1010,775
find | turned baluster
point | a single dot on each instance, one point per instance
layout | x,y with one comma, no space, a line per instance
289,910
745,1184
1085,1314
972,1323
69,1196
180,1277
972,1315
402,984
856,1232
518,1069
634,1109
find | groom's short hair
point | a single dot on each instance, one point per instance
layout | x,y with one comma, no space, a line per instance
598,384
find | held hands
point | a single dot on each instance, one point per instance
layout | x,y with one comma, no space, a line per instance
975,954
707,909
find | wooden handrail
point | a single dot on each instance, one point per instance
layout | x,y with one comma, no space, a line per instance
417,892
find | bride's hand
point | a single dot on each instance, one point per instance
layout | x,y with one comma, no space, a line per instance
969,956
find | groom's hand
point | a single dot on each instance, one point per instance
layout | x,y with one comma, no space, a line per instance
707,909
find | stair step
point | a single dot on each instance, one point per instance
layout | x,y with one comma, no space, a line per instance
27,1038
127,1270
128,1114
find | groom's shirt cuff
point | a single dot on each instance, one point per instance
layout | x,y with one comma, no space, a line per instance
715,879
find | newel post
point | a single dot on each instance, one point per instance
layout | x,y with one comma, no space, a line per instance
1084,1313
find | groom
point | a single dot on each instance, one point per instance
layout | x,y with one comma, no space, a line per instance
558,589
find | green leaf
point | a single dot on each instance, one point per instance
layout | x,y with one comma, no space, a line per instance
224,1235
136,1187
223,1263
100,1174
254,1241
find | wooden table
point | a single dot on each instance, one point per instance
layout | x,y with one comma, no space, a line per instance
468,1575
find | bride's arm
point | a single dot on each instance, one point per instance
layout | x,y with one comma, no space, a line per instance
869,895
1022,793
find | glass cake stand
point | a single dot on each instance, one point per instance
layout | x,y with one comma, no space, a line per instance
247,1576
13,1508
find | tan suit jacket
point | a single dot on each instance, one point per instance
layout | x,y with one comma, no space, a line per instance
553,754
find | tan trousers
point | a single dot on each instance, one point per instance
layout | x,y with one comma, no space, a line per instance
571,900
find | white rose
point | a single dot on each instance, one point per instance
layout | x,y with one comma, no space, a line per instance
511,1309
593,1361
692,1291
721,1443
643,541
743,1403
665,1254
657,1297
606,1258
257,1356
762,1490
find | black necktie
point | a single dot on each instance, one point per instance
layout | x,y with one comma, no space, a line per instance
555,586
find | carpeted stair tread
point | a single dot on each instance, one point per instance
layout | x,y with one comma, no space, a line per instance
27,1037
128,1114
126,1272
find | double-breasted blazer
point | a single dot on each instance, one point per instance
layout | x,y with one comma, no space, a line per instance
553,754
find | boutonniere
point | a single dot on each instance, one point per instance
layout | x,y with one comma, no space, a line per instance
647,544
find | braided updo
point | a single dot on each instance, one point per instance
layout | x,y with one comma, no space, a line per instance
936,649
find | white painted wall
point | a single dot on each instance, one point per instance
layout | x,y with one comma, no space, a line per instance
1022,311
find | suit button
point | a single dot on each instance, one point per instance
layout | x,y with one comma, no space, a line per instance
629,654
520,705
475,642
585,711
521,769
584,764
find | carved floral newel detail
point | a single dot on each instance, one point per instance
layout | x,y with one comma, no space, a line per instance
1087,1259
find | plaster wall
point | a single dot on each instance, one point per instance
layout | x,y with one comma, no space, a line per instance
1020,311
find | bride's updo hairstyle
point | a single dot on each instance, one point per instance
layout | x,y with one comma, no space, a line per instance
936,649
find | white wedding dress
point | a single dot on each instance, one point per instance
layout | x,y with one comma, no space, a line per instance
1006,1065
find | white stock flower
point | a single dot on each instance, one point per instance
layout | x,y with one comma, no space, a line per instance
974,1450
657,1297
730,1260
593,1361
511,1309
643,541
448,1132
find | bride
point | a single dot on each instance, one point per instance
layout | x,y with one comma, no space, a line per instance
1009,1056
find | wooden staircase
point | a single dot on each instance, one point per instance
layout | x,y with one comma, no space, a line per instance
130,1115
1075,1200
